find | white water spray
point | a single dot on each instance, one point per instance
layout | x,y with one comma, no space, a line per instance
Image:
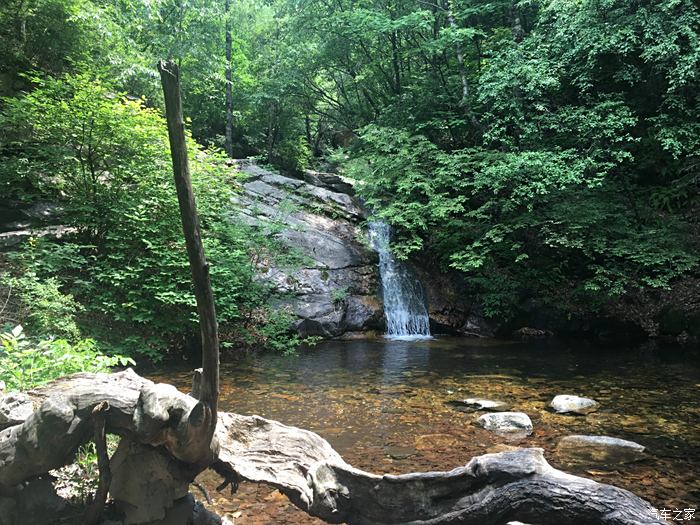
404,301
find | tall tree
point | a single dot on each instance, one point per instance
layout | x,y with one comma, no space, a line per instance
229,94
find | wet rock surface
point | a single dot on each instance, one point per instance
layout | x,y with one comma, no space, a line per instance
472,404
568,404
529,333
451,306
506,423
599,450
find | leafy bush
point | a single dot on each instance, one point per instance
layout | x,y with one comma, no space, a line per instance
106,158
25,364
40,305
339,295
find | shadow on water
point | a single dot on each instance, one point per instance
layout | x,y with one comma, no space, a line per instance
383,405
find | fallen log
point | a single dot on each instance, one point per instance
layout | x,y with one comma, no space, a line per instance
490,489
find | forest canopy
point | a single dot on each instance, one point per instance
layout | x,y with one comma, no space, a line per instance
544,151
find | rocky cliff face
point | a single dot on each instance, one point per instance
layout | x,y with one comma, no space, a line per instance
336,288
451,306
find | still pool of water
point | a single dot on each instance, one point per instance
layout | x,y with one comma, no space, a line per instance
382,405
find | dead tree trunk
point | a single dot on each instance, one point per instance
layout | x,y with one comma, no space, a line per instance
490,489
209,388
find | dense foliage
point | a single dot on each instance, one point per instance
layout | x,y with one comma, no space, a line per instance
105,159
25,364
546,150
574,176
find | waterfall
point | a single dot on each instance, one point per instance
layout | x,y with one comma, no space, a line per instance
404,301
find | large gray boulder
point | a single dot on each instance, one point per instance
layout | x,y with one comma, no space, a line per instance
336,289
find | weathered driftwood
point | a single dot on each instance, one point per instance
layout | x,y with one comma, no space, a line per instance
153,414
490,489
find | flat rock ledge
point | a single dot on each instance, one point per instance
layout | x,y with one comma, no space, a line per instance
599,450
514,485
568,404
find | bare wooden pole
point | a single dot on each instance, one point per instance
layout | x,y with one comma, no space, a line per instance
209,387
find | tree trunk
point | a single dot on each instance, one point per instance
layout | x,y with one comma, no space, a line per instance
229,95
491,489
94,512
204,419
460,56
395,62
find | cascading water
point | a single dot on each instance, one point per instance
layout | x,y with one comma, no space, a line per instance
404,300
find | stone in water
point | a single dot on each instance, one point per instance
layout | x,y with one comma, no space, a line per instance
567,404
602,450
507,423
473,403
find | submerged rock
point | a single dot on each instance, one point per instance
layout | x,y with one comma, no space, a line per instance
501,447
529,333
567,404
399,453
436,442
603,450
507,423
473,404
